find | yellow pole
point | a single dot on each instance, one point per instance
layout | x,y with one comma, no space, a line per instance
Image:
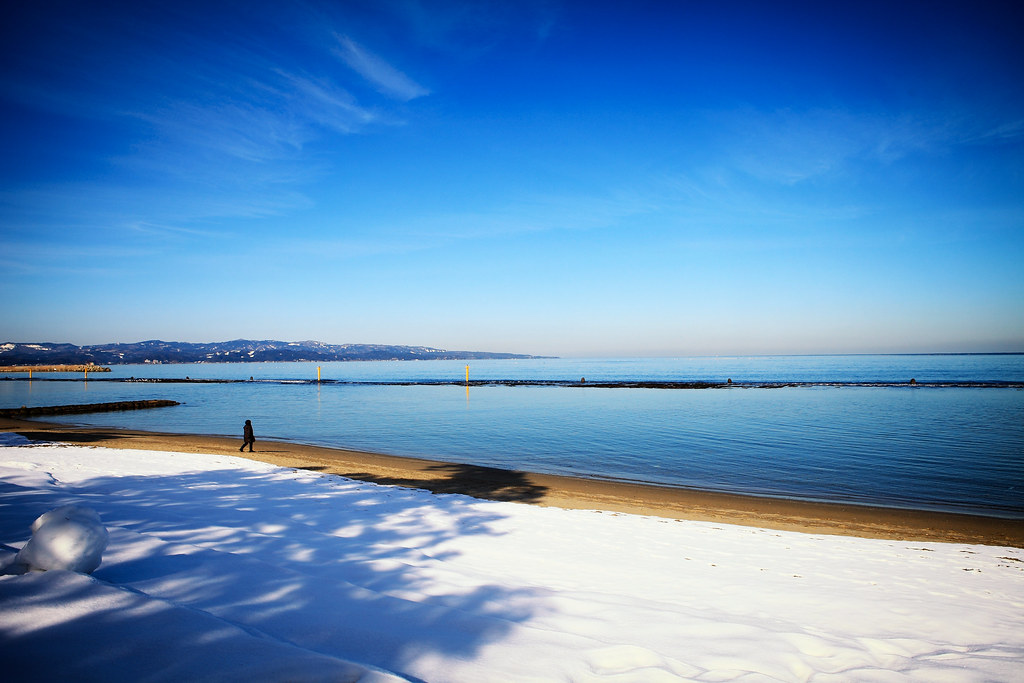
30,374
318,374
467,375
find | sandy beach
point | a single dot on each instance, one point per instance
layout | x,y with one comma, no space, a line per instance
561,491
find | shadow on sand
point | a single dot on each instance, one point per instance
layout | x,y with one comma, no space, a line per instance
488,483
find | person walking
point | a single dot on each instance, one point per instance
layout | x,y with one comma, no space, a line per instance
247,437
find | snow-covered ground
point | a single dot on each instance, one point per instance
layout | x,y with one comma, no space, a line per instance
219,568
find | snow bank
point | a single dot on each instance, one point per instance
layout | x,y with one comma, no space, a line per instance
70,537
219,567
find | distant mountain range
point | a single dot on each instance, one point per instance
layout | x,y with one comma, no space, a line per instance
238,351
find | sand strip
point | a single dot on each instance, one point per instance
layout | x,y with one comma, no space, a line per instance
562,491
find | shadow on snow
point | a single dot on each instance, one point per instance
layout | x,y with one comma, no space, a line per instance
342,568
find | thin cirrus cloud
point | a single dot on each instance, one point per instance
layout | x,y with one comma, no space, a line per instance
328,105
385,78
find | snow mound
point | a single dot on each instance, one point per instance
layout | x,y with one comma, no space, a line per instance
68,537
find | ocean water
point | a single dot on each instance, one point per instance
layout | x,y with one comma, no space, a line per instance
843,428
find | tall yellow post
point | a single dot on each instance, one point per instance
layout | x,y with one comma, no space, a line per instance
467,375
318,374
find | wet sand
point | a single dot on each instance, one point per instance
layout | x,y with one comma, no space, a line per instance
561,491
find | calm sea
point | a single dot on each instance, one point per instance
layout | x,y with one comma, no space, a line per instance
845,428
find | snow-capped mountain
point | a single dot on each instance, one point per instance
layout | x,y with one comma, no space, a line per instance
237,351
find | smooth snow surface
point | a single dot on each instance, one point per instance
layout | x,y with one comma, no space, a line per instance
220,568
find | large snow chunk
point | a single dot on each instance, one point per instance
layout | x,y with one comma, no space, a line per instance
68,537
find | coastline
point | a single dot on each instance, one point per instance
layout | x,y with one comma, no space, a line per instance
562,491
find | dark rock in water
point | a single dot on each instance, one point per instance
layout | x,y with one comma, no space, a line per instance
25,411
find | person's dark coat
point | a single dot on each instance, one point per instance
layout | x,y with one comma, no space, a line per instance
248,439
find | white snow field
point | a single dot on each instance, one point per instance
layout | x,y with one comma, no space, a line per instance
225,569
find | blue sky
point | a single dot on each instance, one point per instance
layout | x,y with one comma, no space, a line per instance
563,178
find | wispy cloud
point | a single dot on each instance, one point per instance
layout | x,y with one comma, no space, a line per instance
790,148
528,215
384,77
232,123
69,257
166,229
1008,131
347,248
327,104
272,121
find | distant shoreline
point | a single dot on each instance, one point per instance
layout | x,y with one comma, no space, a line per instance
247,351
59,367
562,491
158,352
614,384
